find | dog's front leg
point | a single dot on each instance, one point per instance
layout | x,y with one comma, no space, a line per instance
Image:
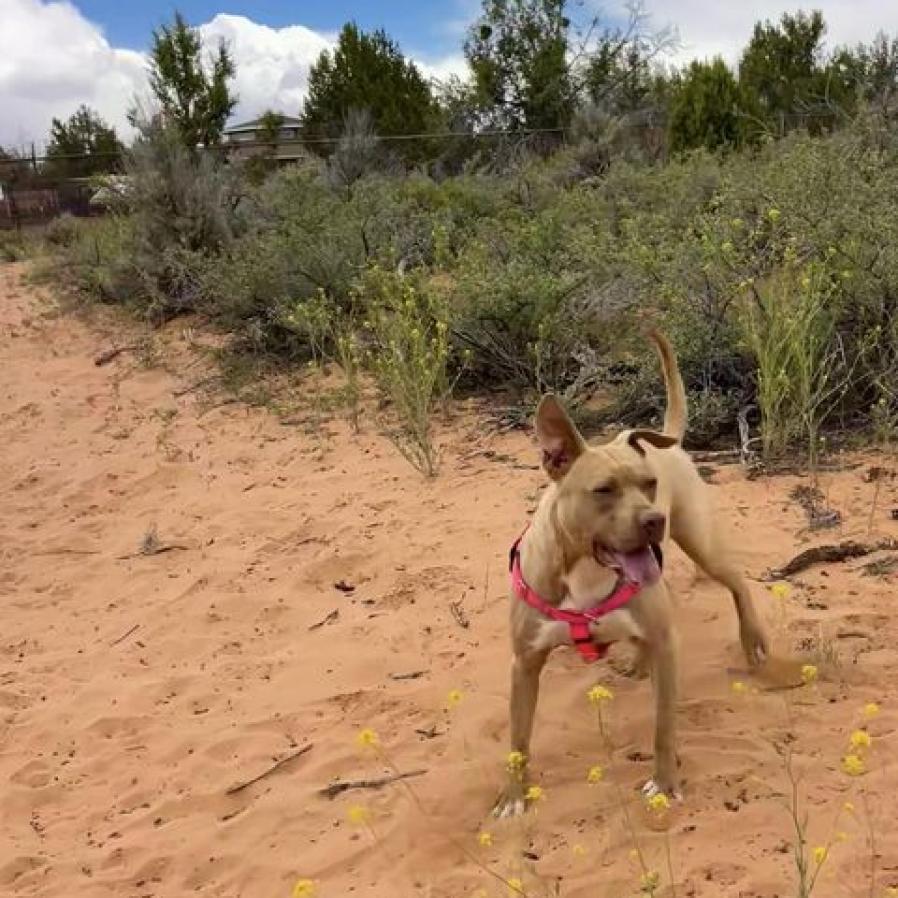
525,674
664,680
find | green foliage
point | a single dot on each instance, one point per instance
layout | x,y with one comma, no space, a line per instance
707,108
517,52
13,247
62,231
194,96
84,135
408,323
366,72
785,70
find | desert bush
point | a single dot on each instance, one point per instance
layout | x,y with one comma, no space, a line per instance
13,246
408,325
184,209
62,231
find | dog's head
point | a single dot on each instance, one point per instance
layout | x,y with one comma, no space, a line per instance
605,495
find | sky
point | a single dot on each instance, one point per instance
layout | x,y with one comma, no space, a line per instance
58,54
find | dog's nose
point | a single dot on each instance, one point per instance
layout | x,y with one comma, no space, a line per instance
653,525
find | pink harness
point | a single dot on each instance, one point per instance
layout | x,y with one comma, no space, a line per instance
578,621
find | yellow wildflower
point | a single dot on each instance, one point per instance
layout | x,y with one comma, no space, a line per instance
809,673
820,853
535,793
871,709
780,591
515,886
578,850
860,739
659,803
367,738
773,214
849,807
650,881
739,688
515,761
595,774
853,765
485,839
305,888
357,815
599,694
453,700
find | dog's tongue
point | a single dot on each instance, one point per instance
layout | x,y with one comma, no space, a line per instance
639,567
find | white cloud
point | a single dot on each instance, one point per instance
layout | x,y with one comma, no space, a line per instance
709,27
272,63
52,60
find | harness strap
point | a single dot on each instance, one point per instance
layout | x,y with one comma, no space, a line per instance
577,621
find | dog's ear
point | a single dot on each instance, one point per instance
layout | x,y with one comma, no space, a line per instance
559,438
653,438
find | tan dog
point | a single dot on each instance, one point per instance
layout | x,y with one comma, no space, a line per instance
594,527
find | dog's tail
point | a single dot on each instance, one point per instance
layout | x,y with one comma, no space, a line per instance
675,415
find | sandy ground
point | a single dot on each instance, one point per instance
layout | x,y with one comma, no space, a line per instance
135,690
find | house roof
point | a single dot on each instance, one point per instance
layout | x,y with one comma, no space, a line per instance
289,121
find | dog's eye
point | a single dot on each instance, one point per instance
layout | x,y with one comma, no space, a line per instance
604,489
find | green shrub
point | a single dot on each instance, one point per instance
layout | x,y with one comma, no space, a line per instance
408,326
63,230
13,247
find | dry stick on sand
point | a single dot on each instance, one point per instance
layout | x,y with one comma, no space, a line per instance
239,787
104,358
828,554
151,545
334,615
341,786
124,636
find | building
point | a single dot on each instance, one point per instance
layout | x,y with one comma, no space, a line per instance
253,138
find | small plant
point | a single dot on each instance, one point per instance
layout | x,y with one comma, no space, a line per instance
803,370
63,230
409,327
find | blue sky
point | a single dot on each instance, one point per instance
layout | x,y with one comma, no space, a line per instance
431,27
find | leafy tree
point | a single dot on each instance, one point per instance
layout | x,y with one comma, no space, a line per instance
194,97
82,145
366,72
263,160
879,64
707,109
784,67
518,55
270,124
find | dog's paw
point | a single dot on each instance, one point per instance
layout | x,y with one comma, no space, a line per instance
654,787
511,803
754,644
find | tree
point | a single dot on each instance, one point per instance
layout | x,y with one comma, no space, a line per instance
270,124
83,145
263,160
194,96
518,55
707,109
366,72
879,72
784,67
